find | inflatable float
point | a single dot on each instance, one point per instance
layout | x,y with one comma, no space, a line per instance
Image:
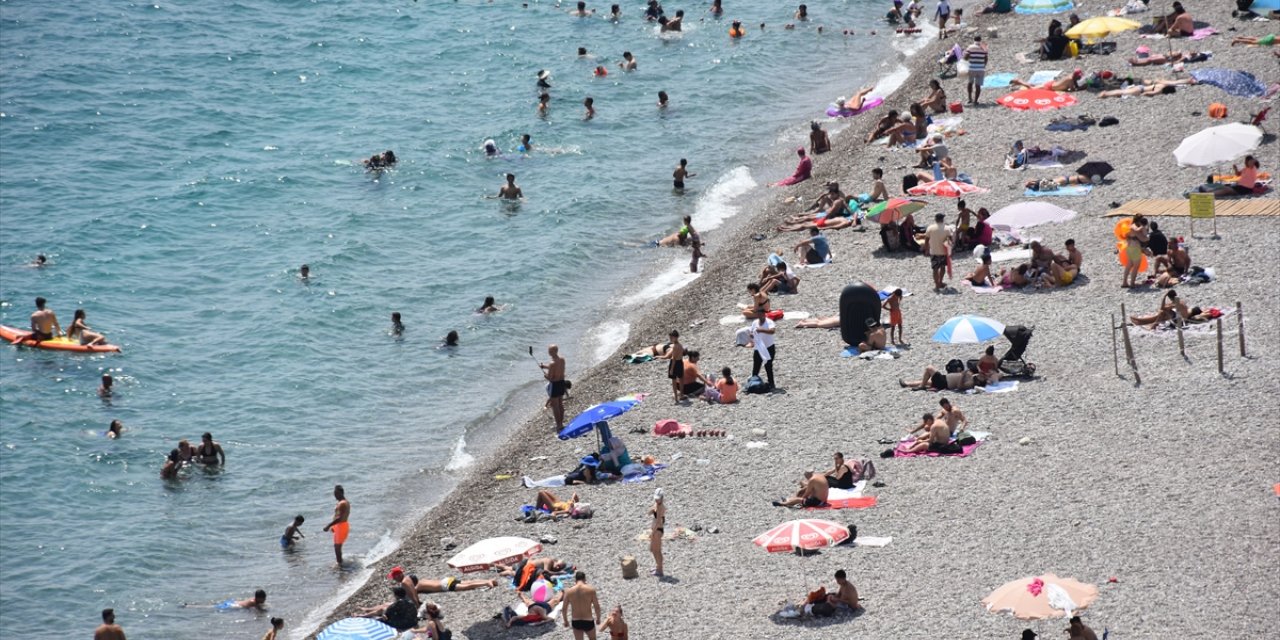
868,104
60,343
858,304
1122,242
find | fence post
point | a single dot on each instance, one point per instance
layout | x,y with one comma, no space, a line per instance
1115,355
1182,346
1220,370
1240,325
1128,344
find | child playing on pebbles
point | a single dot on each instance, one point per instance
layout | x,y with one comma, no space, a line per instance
893,304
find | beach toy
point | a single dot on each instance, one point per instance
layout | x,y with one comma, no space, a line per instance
1124,259
60,343
541,591
868,104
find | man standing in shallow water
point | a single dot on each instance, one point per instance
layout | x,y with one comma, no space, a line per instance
338,525
510,191
108,630
556,387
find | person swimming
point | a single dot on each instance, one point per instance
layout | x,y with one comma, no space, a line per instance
526,145
488,306
450,340
397,327
114,430
491,148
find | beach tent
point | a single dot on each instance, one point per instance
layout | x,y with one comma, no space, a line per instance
488,553
1040,597
1036,100
858,304
357,629
1044,6
1022,215
1218,145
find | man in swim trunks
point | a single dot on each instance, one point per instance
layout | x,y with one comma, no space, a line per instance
846,594
935,437
339,525
510,191
815,249
951,416
580,601
556,386
675,369
1064,269
628,61
681,172
875,339
813,492
108,630
44,324
292,532
210,452
938,241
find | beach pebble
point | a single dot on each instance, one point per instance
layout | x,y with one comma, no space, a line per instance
548,539
1026,440
448,543
759,433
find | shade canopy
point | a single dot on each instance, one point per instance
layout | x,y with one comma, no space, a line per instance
968,329
1101,27
807,534
357,629
584,422
1218,145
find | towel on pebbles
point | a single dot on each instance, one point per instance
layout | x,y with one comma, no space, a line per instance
977,289
1065,190
1004,386
1041,77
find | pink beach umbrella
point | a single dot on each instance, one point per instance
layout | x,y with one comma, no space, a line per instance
1040,597
494,551
945,189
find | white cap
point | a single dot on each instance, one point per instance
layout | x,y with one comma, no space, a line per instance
657,493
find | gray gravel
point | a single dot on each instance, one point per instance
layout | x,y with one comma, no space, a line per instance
1164,486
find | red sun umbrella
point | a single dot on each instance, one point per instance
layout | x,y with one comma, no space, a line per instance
1037,100
945,189
807,534
894,210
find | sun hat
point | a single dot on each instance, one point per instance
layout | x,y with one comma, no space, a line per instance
396,573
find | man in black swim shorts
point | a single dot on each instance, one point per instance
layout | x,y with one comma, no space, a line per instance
557,386
581,602
675,369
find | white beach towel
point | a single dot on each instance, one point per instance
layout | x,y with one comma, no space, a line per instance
871,541
1041,77
1004,386
553,481
846,494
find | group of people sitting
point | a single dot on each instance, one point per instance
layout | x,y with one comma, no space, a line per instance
816,486
944,432
1046,269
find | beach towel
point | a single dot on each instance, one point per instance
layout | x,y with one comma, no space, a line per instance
860,502
1004,386
849,352
872,541
1046,162
977,289
888,291
888,353
965,452
545,483
644,476
1041,77
1065,190
998,80
1202,33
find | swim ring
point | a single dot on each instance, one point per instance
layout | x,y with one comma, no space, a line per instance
868,104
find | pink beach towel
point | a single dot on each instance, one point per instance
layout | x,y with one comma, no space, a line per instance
899,451
1201,34
864,502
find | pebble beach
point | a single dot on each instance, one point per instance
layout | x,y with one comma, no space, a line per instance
1160,493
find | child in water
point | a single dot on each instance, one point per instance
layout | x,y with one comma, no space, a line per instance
292,532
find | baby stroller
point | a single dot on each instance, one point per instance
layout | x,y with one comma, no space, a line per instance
1012,364
947,63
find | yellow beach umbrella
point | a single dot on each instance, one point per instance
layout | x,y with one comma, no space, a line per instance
1100,27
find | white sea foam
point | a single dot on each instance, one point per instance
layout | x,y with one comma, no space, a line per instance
385,546
460,459
716,205
673,278
607,337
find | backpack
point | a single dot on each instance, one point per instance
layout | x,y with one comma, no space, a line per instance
755,385
955,365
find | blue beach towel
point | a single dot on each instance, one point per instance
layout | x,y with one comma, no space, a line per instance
998,80
1068,190
1041,77
849,352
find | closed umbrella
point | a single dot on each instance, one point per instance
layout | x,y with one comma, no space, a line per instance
805,535
1023,215
1218,145
1101,27
945,189
587,420
1040,597
357,629
1044,6
1036,100
968,329
1096,168
894,209
494,551
1236,83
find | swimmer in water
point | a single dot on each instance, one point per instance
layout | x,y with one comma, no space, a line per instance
397,327
115,429
389,158
600,71
108,630
653,11
615,13
450,339
543,77
681,172
510,191
663,100
292,533
628,61
717,9
736,30
582,11
277,624
104,390
676,23
210,452
304,272
526,145
802,12
258,601
488,306
582,52
491,148
40,261
589,104
186,452
544,102
171,466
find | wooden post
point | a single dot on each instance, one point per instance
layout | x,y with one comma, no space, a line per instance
1115,355
1240,325
1220,370
1128,344
1182,346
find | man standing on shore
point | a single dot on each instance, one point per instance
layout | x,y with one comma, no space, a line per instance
338,525
108,630
938,243
580,602
976,54
556,387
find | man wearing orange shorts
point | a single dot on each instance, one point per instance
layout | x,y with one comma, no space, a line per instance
339,525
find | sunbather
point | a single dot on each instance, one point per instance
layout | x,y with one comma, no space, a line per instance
1049,184
989,365
829,322
1065,83
952,416
946,167
759,303
1171,306
1148,88
935,438
937,380
842,475
883,125
537,612
548,501
856,102
981,277
846,594
1142,60
1016,277
813,492
936,101
1268,40
526,571
875,338
1247,180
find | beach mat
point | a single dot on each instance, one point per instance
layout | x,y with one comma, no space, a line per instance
977,289
1065,190
861,502
1004,386
964,452
998,80
1182,208
878,541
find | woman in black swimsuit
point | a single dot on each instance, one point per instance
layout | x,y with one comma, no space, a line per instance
659,513
841,476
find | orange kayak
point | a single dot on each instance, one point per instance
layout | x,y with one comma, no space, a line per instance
60,343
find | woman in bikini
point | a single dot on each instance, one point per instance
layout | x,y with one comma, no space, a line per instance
80,331
989,365
936,101
1016,277
549,502
981,277
659,514
759,303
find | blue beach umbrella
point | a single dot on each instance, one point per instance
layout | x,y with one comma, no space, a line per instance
1236,83
357,629
586,421
967,328
1259,5
1044,6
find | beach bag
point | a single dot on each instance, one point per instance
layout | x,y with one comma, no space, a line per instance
950,448
629,569
755,385
823,609
1073,49
955,107
964,439
955,365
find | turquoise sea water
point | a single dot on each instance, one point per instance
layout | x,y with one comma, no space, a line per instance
178,161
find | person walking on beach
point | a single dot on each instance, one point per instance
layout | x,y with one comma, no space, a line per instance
510,191
1079,631
762,330
675,368
938,244
942,14
339,526
580,601
656,530
976,54
695,245
556,387
108,630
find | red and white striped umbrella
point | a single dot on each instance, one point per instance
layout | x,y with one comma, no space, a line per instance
807,534
494,551
945,189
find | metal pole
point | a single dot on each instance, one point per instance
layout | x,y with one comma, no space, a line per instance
1115,354
1240,325
1220,370
1128,344
1182,347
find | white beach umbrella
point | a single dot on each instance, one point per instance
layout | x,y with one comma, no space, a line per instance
1021,215
1218,145
494,551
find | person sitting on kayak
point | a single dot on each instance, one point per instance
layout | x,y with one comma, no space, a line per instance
81,331
44,323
